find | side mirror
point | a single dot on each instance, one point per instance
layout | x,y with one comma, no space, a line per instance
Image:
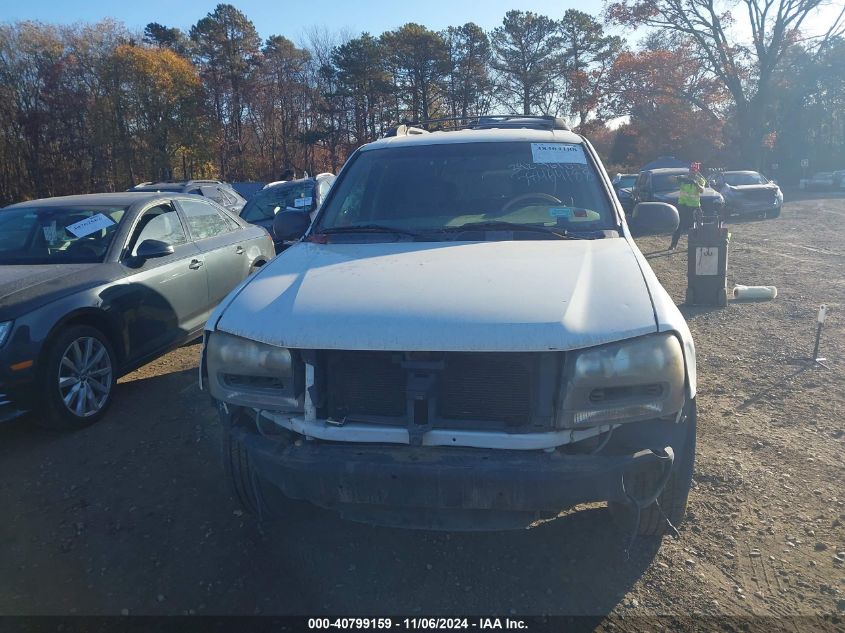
150,249
654,218
289,226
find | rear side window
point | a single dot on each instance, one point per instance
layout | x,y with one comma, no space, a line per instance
204,220
217,194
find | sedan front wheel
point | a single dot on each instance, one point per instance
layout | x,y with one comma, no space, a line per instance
79,379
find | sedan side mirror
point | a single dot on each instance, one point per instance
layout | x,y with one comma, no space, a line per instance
654,218
289,226
149,249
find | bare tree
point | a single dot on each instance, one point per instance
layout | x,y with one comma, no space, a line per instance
745,70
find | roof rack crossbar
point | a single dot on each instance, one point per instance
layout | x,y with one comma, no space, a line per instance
481,122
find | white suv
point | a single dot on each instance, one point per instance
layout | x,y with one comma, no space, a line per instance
466,337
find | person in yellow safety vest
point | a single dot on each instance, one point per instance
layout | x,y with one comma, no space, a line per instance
689,200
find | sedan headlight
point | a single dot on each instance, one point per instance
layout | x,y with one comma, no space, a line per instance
5,329
631,380
249,373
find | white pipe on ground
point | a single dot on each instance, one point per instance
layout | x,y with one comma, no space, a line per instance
755,293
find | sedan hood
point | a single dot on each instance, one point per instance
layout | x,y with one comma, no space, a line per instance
25,287
751,188
672,196
527,295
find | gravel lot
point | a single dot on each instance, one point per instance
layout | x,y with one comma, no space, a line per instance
131,514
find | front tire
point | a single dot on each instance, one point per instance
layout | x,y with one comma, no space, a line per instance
245,483
78,379
673,499
773,213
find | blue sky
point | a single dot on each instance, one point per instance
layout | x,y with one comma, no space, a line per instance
291,17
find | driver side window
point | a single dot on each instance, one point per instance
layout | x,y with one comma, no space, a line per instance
159,223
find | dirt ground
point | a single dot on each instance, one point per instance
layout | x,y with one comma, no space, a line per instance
131,514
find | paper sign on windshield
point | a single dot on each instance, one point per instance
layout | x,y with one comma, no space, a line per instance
90,225
302,202
558,153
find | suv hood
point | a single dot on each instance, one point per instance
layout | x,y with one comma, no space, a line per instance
526,295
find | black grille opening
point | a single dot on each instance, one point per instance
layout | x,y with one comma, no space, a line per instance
484,386
482,390
364,383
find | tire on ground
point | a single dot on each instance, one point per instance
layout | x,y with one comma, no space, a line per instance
51,410
673,499
245,483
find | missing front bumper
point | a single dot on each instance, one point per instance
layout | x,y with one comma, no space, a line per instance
435,487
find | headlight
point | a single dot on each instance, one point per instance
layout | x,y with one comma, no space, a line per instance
250,373
5,329
623,382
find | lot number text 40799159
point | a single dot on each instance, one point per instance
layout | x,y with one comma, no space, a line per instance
421,623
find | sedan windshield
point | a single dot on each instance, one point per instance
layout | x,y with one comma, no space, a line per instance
495,186
297,195
57,235
742,179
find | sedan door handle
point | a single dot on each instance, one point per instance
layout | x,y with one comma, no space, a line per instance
195,264
239,250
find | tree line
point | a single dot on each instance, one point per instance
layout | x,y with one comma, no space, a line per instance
97,107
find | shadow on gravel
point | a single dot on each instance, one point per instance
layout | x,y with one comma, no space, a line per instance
692,312
574,565
780,385
663,253
130,399
132,513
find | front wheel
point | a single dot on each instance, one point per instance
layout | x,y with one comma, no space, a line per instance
253,494
78,379
773,213
673,499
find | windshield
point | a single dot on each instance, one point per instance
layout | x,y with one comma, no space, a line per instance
291,195
739,180
57,235
666,182
626,181
447,186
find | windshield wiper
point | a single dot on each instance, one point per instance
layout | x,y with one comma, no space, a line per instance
500,225
365,228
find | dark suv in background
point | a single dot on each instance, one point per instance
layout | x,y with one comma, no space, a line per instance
221,192
305,194
660,185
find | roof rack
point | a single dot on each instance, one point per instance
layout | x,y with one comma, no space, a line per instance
485,122
536,122
406,129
